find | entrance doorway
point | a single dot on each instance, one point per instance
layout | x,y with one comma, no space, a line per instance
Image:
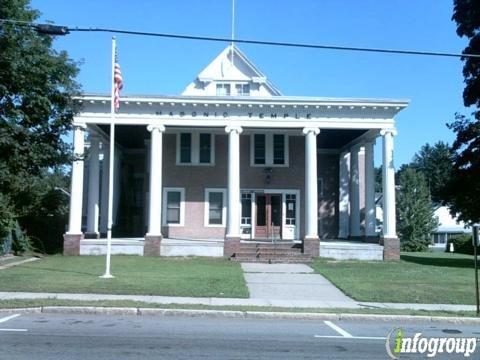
268,223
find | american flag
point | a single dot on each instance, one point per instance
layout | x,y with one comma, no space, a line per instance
117,83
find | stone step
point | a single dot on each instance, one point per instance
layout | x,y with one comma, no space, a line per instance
269,253
268,247
294,259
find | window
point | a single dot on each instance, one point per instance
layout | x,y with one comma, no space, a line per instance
185,148
205,148
259,148
173,206
195,149
246,209
291,205
243,89
215,209
279,149
269,150
223,89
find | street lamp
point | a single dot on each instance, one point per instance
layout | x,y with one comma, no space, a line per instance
49,29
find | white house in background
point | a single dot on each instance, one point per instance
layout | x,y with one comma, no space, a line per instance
448,228
233,168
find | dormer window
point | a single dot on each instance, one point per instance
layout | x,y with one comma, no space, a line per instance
243,89
223,89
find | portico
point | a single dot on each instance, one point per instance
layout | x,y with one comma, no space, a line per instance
235,169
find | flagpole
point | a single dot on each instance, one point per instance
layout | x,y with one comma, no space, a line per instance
107,274
233,29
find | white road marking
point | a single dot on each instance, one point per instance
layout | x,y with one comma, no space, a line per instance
338,329
351,337
5,319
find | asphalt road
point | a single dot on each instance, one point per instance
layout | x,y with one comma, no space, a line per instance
46,336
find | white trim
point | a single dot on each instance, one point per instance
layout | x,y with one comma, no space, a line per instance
206,219
182,206
195,149
269,150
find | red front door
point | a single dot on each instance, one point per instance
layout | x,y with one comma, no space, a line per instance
268,223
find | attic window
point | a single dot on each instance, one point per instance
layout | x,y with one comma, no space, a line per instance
243,89
223,89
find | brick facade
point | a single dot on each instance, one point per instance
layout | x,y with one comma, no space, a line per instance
152,245
311,246
71,244
391,249
231,246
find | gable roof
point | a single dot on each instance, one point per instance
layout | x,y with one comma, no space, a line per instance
232,65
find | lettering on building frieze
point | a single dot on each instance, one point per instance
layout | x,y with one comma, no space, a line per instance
225,114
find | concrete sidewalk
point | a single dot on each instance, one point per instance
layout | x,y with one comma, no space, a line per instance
236,302
296,282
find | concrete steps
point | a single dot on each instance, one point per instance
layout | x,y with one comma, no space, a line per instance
267,252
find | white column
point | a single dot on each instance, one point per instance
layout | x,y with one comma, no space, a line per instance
233,204
155,205
343,203
93,187
355,230
370,218
76,189
311,196
104,191
388,184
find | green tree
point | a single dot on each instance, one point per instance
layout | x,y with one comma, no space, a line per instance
415,211
463,190
37,85
435,163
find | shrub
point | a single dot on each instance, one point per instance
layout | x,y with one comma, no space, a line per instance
20,241
6,225
462,244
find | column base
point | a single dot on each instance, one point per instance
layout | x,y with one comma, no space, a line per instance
231,246
311,246
151,246
391,248
371,239
71,244
92,235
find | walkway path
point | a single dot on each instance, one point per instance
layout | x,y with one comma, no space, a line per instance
290,282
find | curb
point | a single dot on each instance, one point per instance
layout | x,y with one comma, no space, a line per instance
97,310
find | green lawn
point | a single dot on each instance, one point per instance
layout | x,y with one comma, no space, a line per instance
198,277
437,278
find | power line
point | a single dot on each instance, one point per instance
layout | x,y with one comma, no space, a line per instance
50,29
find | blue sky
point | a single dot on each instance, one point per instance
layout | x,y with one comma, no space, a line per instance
165,66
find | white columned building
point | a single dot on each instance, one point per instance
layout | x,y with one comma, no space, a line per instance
390,240
370,208
344,196
93,211
154,236
231,167
355,230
